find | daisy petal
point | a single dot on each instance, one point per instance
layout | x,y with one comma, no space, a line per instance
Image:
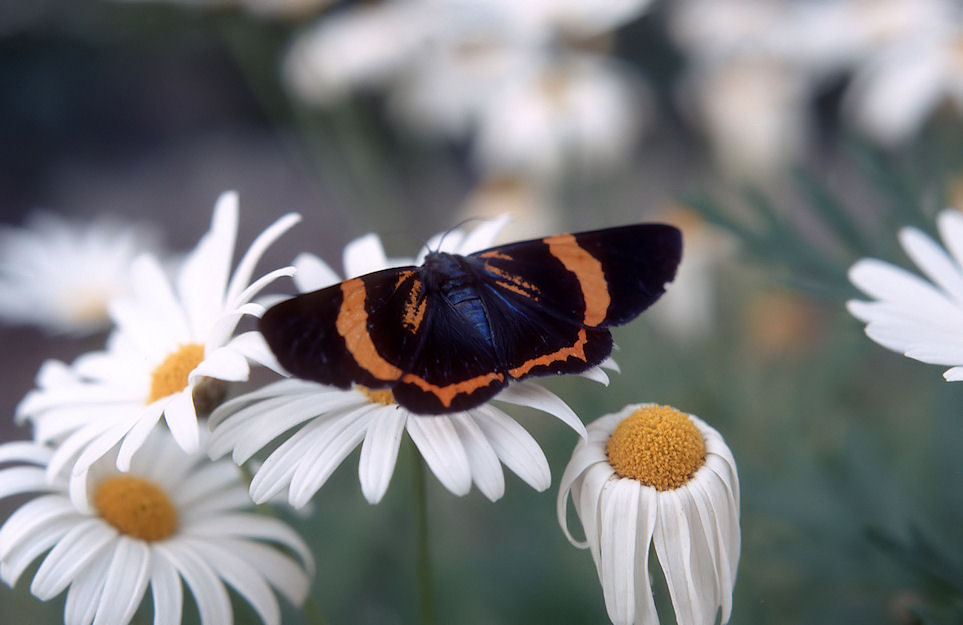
312,273
166,592
535,396
379,453
69,557
485,467
124,582
364,255
436,439
514,446
619,512
209,593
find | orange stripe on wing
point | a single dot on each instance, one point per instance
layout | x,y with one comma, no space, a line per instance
352,325
446,394
588,271
577,350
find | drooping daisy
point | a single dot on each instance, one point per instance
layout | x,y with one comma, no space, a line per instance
170,342
921,317
173,517
324,424
649,476
60,274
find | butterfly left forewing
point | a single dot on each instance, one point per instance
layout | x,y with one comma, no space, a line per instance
348,333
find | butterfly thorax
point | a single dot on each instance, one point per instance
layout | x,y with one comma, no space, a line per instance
451,276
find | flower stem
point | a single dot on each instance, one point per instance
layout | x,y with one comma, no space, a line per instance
426,592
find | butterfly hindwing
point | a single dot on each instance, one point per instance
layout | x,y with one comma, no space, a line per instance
455,367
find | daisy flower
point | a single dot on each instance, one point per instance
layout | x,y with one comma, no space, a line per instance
323,424
170,343
60,274
654,476
921,317
174,516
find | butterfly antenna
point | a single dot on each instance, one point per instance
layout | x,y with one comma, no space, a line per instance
457,226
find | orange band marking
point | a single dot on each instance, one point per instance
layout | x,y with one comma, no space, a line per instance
414,312
352,325
577,350
496,254
447,393
513,283
588,271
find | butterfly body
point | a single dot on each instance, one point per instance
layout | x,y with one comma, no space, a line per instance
450,334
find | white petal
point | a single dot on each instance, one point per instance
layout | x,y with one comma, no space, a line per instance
86,592
279,570
329,448
70,556
437,441
240,574
485,468
896,285
245,268
181,420
484,235
364,255
645,611
673,544
379,453
125,582
514,446
166,592
253,347
596,374
209,593
535,396
312,273
224,363
953,375
202,280
618,526
135,437
950,224
934,261
588,502
39,539
156,302
247,526
22,480
583,457
36,513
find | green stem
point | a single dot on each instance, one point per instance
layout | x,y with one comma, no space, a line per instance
426,593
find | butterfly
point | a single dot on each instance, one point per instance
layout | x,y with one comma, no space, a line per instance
450,334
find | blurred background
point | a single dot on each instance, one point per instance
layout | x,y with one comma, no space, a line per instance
787,138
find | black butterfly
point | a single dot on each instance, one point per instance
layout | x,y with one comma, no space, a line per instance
450,334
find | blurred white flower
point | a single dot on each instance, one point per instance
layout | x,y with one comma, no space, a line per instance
174,517
60,274
169,344
355,48
654,476
322,425
897,88
454,68
921,317
753,111
578,113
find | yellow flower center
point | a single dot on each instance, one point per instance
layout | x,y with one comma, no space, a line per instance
658,446
170,376
383,396
136,507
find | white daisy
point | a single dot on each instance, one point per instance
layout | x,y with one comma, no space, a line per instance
922,317
648,476
169,343
60,274
174,516
324,424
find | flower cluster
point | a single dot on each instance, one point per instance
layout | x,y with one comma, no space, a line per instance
132,495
